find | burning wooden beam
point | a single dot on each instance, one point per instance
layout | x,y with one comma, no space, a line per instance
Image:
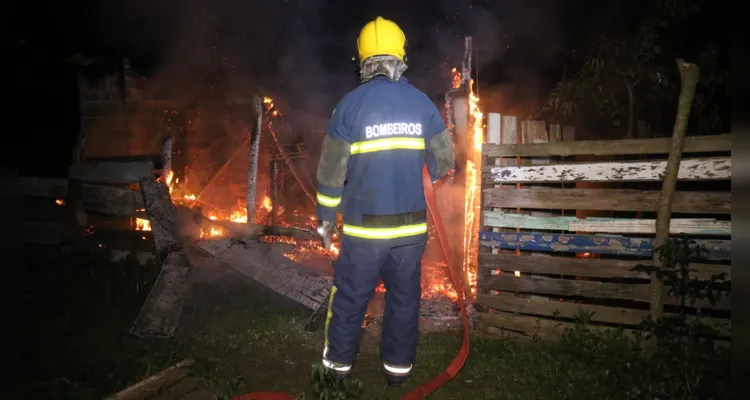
163,307
266,264
166,156
252,171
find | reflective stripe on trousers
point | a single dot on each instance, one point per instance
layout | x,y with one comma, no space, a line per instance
338,367
343,368
396,370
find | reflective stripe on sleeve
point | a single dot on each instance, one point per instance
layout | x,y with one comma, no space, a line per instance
387,144
385,233
328,201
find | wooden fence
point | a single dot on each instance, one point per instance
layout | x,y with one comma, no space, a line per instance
91,209
542,264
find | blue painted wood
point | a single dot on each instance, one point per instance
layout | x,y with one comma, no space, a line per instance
595,244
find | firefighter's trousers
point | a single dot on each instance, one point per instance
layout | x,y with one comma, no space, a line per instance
360,263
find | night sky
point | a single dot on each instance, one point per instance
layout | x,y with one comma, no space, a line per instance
300,50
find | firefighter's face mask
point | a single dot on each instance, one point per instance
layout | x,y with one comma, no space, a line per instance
389,66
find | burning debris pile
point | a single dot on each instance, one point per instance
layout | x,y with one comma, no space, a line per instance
209,222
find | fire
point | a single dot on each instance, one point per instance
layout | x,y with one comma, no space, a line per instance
142,224
60,202
456,78
267,205
474,157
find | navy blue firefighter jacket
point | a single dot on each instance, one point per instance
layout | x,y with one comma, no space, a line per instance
375,147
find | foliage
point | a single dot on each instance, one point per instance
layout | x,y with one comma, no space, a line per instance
687,355
327,387
675,271
615,76
625,79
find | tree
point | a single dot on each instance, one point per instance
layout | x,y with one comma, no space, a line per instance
631,79
615,76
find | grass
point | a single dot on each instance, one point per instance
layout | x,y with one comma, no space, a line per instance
81,306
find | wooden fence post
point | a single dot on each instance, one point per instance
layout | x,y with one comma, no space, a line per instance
689,74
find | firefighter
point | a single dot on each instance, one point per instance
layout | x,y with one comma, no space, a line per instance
378,139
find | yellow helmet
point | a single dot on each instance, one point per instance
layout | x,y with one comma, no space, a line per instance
381,37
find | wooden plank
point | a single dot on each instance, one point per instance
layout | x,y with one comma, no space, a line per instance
162,214
99,198
693,144
536,132
692,169
265,264
150,386
545,329
181,389
163,307
112,171
577,266
698,226
112,200
609,200
592,289
495,135
509,302
594,244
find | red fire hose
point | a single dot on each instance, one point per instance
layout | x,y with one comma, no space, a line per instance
458,362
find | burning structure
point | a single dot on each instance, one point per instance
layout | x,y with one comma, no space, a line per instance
230,163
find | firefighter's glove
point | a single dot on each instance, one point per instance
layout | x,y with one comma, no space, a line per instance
327,230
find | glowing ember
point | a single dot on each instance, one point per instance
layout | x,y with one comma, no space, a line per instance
60,202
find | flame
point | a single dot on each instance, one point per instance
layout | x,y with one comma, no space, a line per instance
142,224
60,202
471,200
267,205
456,78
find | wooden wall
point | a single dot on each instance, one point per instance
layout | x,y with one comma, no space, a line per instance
529,209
